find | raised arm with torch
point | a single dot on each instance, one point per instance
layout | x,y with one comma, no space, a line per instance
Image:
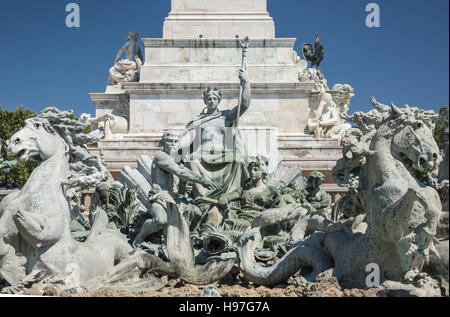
244,92
210,144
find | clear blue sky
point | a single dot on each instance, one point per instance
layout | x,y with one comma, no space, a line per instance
406,60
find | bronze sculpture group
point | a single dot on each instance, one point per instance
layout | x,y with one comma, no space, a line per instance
205,206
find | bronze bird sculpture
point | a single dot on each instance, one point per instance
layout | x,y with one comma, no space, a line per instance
314,56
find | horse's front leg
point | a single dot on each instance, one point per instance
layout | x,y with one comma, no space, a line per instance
431,201
422,238
38,230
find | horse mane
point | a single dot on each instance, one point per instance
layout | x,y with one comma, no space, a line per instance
383,119
395,119
86,170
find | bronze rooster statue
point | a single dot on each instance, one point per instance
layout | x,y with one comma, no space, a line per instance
316,56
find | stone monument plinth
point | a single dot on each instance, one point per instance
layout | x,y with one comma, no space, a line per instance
218,19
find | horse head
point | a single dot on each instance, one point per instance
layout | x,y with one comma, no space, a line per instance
37,140
413,137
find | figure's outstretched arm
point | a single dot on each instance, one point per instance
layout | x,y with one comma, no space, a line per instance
167,164
226,198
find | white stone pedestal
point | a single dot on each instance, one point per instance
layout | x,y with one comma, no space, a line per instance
218,19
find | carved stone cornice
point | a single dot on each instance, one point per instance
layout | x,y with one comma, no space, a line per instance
150,88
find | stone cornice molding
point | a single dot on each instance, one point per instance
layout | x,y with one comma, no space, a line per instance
99,98
147,88
223,43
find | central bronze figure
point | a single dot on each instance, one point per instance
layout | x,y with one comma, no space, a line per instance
211,145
